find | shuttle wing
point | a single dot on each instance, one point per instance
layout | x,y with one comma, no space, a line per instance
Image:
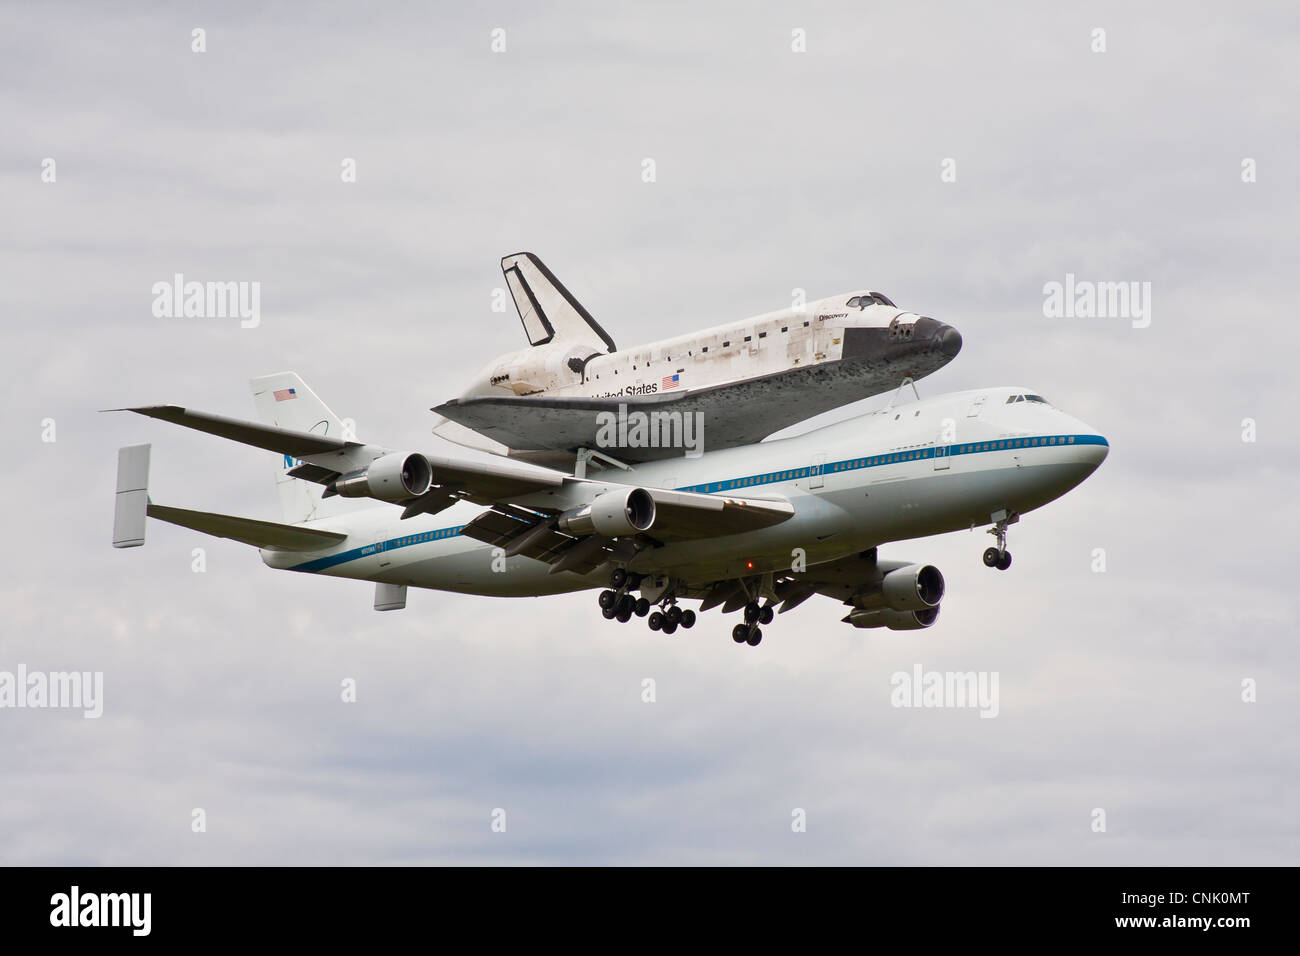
738,413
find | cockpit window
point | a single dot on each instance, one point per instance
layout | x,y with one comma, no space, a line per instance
1027,398
871,298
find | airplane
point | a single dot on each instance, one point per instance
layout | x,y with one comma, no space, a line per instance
757,528
747,379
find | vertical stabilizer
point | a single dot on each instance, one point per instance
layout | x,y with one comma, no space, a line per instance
548,310
285,400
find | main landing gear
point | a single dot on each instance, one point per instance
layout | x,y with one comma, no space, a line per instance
618,604
1000,557
750,633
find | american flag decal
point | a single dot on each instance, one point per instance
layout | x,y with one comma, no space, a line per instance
670,381
284,394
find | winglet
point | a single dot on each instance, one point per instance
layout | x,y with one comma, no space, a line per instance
132,496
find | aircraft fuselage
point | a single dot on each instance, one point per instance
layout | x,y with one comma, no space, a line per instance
944,464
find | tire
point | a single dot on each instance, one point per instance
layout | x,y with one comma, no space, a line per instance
669,627
626,605
991,556
624,615
656,621
642,607
609,613
765,616
674,614
756,638
752,611
607,599
617,577
688,619
739,633
1005,561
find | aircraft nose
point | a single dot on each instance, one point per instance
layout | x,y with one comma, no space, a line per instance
1096,453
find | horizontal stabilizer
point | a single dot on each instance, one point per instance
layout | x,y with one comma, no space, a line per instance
260,534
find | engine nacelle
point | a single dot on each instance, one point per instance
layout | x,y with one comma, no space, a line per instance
613,514
396,477
911,588
894,620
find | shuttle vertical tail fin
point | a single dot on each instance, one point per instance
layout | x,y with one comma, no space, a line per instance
547,309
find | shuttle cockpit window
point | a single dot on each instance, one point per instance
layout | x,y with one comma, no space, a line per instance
871,298
1027,398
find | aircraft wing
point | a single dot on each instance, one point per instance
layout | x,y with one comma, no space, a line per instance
525,501
324,460
532,529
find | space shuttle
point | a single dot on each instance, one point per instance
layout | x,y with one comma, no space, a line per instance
547,404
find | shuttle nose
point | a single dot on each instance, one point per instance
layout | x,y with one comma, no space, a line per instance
949,341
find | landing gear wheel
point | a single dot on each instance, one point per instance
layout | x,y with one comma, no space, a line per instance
609,612
624,615
688,619
765,616
656,621
991,556
607,599
740,633
752,611
642,607
617,578
754,638
1004,561
674,614
669,627
626,605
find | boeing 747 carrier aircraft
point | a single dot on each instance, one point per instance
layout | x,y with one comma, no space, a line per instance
744,381
758,528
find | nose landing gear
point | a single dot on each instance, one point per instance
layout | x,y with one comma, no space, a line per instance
1000,557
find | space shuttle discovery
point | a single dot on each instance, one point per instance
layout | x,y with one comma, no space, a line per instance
742,381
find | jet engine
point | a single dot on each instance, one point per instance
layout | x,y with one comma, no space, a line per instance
396,477
894,620
614,513
914,587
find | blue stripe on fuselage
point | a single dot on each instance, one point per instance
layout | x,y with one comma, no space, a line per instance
749,481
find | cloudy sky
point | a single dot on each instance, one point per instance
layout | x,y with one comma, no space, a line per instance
776,170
